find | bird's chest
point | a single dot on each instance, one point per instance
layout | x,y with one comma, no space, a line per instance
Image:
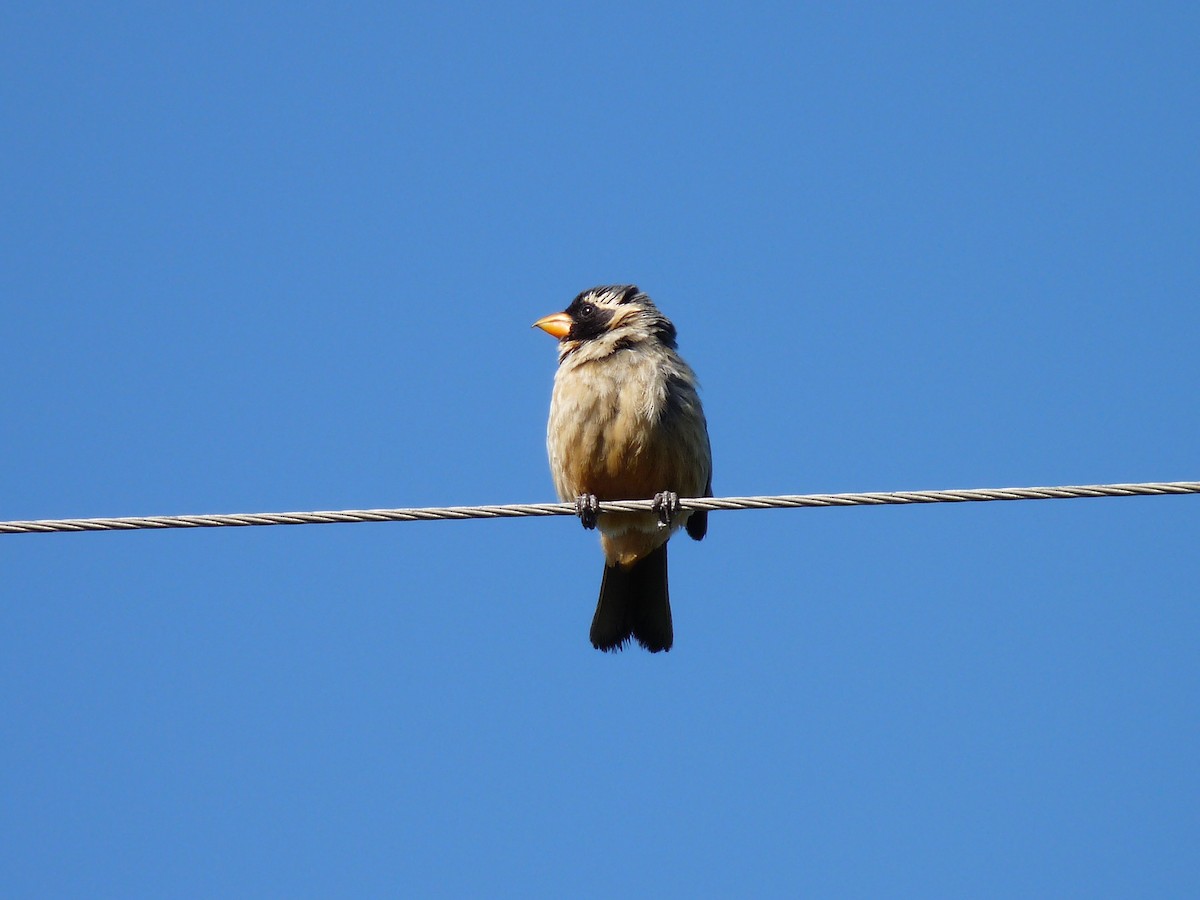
604,434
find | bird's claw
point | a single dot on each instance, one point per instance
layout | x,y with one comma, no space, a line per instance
587,508
666,505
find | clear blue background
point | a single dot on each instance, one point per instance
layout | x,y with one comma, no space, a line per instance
286,258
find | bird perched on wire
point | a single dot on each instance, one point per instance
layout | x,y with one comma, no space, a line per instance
626,424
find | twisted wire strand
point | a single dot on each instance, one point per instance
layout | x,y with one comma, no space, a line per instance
518,510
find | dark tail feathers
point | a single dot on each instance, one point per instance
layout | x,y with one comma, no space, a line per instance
634,603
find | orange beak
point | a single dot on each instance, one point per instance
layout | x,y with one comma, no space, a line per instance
557,325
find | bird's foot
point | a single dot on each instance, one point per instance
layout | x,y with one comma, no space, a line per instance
587,508
666,506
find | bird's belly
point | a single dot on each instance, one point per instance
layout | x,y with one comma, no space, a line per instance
626,437
604,439
606,453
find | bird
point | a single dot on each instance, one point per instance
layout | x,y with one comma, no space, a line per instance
626,423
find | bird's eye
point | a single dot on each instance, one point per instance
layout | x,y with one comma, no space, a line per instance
586,310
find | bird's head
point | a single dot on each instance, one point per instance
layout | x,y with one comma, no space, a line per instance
606,319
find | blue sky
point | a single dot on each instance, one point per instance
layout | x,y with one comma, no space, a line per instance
272,257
